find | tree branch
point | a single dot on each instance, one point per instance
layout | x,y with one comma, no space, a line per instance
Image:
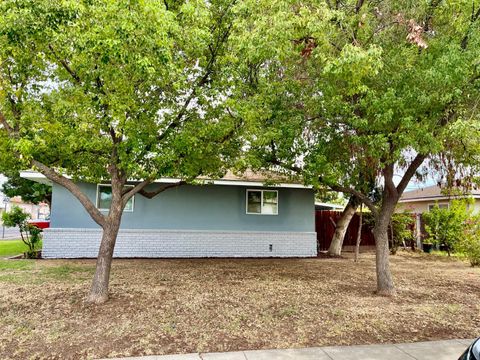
160,189
388,171
412,168
474,18
136,189
51,174
365,199
4,123
202,81
428,18
359,5
65,65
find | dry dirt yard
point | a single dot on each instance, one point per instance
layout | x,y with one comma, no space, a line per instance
181,306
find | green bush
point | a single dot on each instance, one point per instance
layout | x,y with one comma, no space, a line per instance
30,234
470,241
401,231
446,226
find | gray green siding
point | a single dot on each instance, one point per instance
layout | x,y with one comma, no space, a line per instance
208,207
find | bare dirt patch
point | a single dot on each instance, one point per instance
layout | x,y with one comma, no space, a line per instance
181,306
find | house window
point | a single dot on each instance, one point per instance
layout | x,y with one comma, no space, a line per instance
262,202
104,198
440,206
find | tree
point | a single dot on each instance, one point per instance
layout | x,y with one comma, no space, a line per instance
341,226
446,226
335,248
29,234
117,91
29,191
348,91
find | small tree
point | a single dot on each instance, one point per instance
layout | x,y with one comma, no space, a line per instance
445,226
30,234
402,230
469,244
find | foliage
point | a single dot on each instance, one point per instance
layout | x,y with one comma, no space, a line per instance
345,91
30,234
82,80
350,93
30,191
469,243
331,197
116,91
445,226
402,230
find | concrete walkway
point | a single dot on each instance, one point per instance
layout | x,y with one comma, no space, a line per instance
432,350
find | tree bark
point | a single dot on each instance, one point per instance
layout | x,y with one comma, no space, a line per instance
359,234
99,289
385,285
336,245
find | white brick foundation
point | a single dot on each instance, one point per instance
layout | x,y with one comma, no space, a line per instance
84,243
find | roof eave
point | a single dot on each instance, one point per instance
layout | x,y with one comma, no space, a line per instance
40,178
436,198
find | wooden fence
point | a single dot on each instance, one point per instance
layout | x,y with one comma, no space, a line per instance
325,221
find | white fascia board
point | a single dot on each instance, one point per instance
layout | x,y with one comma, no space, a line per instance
335,206
40,178
35,176
437,198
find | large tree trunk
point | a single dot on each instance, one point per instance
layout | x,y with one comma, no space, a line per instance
99,290
336,245
385,284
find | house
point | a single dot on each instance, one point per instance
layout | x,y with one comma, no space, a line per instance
231,217
39,211
424,199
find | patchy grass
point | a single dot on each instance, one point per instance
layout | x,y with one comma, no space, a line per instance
11,247
181,306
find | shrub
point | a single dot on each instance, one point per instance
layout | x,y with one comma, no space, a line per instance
470,242
401,230
30,234
446,226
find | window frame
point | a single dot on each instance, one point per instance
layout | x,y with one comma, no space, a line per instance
431,206
97,202
261,201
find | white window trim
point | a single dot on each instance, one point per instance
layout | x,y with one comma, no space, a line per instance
261,201
110,185
433,205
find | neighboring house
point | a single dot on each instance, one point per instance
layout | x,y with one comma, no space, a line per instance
231,217
40,211
423,200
